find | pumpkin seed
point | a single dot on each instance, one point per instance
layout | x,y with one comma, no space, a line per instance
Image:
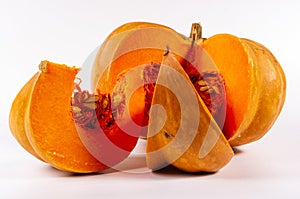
204,88
92,99
202,83
216,89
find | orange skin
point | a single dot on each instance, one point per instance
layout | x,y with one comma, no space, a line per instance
17,116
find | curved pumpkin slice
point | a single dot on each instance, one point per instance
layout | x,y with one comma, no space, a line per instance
49,124
17,115
184,134
255,86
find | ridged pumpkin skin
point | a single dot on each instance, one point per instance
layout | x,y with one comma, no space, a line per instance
255,85
17,115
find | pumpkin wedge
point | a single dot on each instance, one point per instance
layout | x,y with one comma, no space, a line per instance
48,120
255,86
183,133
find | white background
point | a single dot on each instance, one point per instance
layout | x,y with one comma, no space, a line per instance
66,31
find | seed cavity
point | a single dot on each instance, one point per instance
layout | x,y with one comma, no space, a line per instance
91,110
211,88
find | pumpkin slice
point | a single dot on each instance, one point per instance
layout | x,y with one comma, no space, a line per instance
183,133
255,86
49,124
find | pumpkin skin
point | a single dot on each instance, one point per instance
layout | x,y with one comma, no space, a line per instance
17,116
54,136
255,86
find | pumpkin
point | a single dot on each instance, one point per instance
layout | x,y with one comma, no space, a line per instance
47,122
236,89
245,81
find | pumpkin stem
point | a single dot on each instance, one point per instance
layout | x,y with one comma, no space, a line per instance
196,32
43,66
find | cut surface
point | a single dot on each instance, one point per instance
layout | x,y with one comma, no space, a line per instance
236,67
49,124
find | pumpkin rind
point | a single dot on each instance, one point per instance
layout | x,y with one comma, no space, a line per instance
17,116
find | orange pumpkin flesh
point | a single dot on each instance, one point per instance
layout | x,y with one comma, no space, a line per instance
236,71
49,124
255,86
